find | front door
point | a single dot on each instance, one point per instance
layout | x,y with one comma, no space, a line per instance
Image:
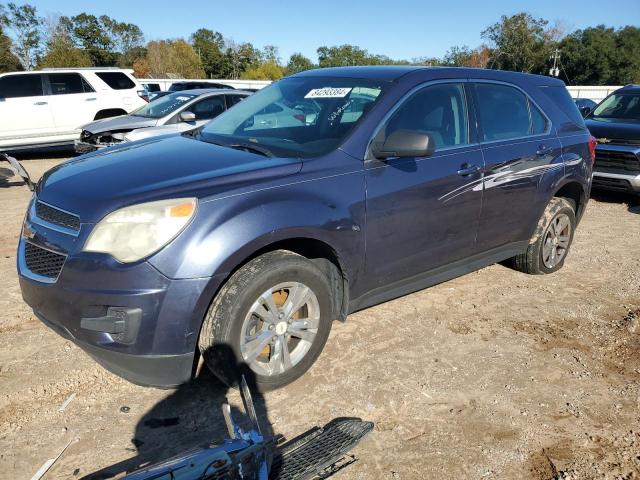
423,213
73,101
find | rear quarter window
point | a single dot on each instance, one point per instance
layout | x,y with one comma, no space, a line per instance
561,98
15,86
116,80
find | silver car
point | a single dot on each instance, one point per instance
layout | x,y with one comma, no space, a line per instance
174,113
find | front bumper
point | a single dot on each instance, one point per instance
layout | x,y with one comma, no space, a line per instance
154,346
617,167
616,181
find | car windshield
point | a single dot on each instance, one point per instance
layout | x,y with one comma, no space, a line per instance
296,117
619,105
163,106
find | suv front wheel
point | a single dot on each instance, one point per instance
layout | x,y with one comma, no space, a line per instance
269,321
549,246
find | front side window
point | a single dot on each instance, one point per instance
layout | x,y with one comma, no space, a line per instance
625,106
163,106
116,80
505,113
15,86
208,108
65,83
298,116
439,110
233,99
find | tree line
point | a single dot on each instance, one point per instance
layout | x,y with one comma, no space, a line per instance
597,55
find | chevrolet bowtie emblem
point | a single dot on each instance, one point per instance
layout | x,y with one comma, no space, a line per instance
604,140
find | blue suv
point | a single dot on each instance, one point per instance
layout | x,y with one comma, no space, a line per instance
258,231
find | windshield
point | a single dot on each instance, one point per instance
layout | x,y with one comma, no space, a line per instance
298,116
619,105
163,105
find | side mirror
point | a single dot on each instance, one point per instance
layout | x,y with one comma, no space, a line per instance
188,116
585,111
404,143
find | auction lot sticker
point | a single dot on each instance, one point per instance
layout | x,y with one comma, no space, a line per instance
328,92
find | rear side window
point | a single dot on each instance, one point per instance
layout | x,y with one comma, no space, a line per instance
560,96
116,80
65,83
14,86
503,112
538,121
439,110
233,99
208,108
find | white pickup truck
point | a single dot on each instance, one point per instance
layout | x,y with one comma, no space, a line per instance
47,107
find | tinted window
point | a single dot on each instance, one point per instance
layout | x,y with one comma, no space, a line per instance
538,121
13,86
438,110
208,108
152,87
64,83
503,112
116,80
560,96
233,99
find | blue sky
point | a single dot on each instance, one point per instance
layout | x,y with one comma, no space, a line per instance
396,28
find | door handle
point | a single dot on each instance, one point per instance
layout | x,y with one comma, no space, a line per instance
40,103
90,99
542,151
468,169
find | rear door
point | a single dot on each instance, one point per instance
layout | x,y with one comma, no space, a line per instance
423,213
520,150
73,101
24,109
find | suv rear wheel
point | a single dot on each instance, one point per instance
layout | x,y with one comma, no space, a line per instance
270,321
551,241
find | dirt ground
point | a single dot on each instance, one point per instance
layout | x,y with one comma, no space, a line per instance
493,375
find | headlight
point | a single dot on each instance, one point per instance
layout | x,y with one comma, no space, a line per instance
135,232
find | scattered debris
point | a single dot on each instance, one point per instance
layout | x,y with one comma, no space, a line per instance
67,402
49,463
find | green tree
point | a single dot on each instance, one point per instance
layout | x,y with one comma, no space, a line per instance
298,63
467,57
342,56
93,36
8,61
173,57
627,60
60,51
268,70
209,45
24,22
519,43
240,57
588,57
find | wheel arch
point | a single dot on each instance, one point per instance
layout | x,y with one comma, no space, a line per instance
573,190
108,113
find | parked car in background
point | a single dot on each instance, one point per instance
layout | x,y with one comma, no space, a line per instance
47,107
585,105
615,122
173,113
153,254
187,85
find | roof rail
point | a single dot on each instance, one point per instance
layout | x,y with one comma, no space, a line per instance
83,68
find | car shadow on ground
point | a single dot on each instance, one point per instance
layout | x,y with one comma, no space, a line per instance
632,201
190,417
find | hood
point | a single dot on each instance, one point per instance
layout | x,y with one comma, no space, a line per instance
175,166
149,132
620,131
124,122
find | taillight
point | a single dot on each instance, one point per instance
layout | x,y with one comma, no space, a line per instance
301,117
592,148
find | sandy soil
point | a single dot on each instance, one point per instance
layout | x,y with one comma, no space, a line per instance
493,375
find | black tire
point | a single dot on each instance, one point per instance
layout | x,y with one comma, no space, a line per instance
531,261
220,336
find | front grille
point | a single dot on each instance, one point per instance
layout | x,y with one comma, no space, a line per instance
612,161
619,184
57,217
42,261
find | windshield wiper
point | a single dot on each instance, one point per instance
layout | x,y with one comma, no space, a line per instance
252,148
